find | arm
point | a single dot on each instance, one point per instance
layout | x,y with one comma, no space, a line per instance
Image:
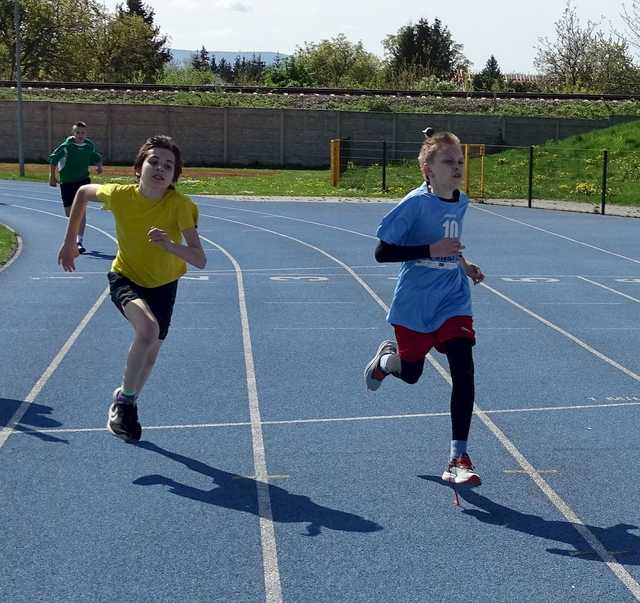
191,253
387,252
472,271
53,181
69,250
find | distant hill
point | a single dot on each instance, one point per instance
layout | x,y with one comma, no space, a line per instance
183,57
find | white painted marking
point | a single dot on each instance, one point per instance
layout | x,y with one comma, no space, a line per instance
623,575
588,280
555,234
273,589
353,419
195,278
568,335
306,279
280,302
530,279
9,428
628,280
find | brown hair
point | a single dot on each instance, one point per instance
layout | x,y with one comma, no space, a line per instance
159,142
432,144
80,124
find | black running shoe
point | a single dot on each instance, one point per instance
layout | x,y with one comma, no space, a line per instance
123,419
81,248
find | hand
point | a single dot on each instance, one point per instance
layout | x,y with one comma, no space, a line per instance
160,237
474,273
66,256
445,247
99,169
52,181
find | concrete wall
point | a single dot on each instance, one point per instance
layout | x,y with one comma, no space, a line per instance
266,137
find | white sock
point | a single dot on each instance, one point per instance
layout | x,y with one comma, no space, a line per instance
390,363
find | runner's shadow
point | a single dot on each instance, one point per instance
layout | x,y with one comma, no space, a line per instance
34,418
617,539
236,492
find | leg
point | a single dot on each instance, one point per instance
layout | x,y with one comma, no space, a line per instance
460,470
145,346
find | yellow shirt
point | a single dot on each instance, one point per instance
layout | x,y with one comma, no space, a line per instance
145,263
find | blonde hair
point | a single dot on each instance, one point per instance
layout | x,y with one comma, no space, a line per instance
432,144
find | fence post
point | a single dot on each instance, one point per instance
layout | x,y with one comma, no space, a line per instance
605,165
466,169
384,166
530,193
334,160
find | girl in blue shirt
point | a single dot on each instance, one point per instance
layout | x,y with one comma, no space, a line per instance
431,305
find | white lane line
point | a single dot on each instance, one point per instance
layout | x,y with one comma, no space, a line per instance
588,280
555,234
568,335
9,428
618,570
355,419
273,588
18,252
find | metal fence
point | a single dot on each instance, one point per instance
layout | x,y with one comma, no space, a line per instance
591,176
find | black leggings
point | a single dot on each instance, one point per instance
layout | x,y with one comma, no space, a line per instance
460,359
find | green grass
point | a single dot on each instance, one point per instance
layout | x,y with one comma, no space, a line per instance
8,244
566,170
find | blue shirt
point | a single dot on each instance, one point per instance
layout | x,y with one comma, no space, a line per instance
428,291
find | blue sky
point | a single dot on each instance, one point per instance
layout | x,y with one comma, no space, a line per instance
509,29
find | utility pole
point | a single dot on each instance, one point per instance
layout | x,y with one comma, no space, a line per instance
16,22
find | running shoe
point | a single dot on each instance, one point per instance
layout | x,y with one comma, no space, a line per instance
123,419
81,248
373,374
461,472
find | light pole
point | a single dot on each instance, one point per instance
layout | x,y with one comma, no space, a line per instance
16,22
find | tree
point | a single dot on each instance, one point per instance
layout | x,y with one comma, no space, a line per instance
490,78
200,60
429,50
137,8
336,63
131,53
584,58
567,59
631,18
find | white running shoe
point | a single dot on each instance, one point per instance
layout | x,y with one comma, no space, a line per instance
461,472
373,374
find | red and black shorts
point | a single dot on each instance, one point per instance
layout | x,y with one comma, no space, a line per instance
159,299
414,346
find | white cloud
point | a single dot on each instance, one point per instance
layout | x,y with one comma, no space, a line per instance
235,5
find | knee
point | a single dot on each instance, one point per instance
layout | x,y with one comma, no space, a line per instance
411,372
147,332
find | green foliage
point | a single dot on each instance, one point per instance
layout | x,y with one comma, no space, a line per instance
429,48
187,76
490,78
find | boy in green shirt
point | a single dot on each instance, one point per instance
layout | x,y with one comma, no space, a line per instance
72,159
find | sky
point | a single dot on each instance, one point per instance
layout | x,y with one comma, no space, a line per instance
508,29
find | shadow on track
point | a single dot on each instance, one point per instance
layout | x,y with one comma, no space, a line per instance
617,539
35,418
240,493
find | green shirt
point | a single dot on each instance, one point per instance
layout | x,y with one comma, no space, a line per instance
73,159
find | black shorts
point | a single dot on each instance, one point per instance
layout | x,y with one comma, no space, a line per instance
68,190
159,299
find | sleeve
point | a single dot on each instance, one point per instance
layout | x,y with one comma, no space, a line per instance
395,226
94,157
188,215
105,194
56,154
386,252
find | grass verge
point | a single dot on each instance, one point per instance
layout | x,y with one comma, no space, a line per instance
8,244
